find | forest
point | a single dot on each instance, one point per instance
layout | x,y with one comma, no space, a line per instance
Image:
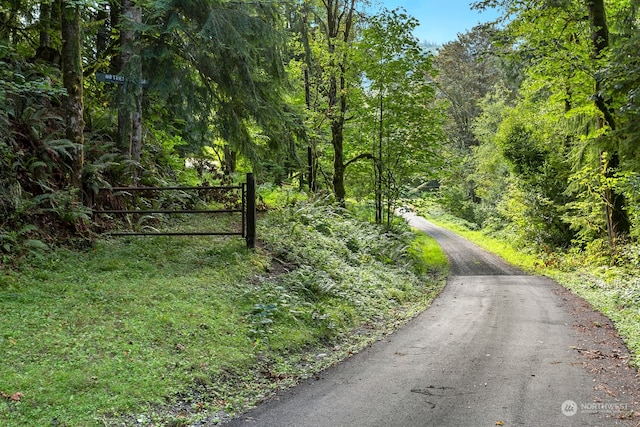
547,147
523,131
133,93
526,126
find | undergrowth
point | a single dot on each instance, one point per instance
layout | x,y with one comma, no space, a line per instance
183,330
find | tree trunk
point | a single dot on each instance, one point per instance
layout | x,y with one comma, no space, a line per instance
45,24
615,205
130,105
311,149
378,163
338,161
337,93
230,160
135,16
72,80
312,166
136,129
125,102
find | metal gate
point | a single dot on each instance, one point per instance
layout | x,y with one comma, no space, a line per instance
247,210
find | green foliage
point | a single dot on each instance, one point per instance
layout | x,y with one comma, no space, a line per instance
585,212
521,150
533,219
401,118
233,78
18,242
534,198
340,269
37,205
567,144
277,197
233,87
213,70
629,184
135,331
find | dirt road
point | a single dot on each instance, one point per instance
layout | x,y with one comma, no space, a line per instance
497,347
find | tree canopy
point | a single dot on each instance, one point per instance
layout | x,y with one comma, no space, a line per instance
546,150
528,125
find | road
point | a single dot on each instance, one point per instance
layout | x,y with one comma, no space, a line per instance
497,347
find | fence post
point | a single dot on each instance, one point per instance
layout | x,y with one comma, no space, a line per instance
251,211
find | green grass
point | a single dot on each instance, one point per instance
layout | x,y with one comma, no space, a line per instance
98,334
172,330
427,249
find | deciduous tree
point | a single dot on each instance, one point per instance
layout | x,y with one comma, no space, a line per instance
399,112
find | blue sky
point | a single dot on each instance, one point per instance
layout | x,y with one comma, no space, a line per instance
441,20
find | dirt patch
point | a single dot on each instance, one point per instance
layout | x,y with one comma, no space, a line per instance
604,354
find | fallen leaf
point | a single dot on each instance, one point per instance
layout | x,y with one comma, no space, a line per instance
499,423
17,396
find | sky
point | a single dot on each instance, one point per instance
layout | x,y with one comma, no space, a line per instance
441,20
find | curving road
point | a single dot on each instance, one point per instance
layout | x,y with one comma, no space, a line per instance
497,347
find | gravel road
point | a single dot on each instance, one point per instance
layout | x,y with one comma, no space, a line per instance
497,347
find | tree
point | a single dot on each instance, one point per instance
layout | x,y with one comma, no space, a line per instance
130,92
218,74
566,48
339,28
331,88
615,206
399,111
469,68
73,83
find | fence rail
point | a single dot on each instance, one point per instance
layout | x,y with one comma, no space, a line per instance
248,211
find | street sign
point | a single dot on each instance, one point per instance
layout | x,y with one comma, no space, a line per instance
117,79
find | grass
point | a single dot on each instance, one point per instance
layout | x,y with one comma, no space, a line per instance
121,327
176,330
428,250
612,290
524,259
